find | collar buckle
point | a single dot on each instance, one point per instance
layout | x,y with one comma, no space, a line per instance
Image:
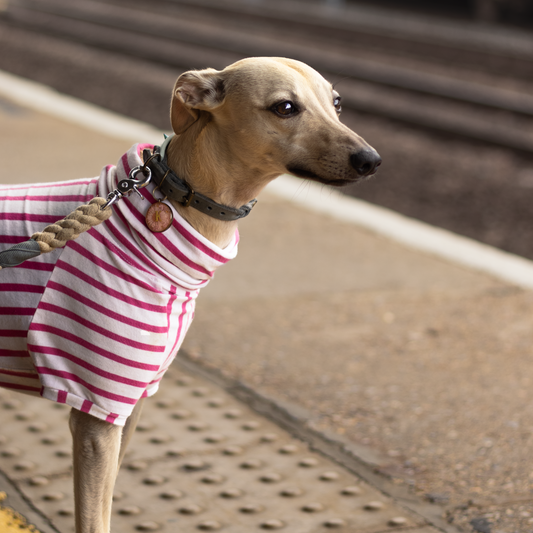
190,195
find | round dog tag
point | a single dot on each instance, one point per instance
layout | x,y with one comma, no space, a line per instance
159,217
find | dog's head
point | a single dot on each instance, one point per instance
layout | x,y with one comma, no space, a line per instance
285,114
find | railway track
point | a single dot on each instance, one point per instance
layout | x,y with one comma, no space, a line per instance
448,105
182,34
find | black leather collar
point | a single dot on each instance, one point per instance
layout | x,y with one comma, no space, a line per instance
177,189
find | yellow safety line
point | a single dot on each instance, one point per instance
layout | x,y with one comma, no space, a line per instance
11,521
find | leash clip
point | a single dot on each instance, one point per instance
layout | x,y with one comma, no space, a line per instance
131,183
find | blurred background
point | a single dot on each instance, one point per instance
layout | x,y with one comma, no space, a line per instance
442,89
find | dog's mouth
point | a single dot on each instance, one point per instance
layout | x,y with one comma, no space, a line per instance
307,174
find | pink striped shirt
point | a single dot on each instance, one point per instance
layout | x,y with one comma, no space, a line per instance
97,323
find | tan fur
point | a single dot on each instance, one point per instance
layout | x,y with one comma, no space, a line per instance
229,145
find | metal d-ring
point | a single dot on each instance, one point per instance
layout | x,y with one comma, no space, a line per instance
159,186
155,154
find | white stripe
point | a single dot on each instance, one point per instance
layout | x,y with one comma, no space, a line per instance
410,232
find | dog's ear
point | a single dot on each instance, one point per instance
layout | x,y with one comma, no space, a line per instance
195,90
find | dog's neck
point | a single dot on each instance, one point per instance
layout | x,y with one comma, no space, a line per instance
203,158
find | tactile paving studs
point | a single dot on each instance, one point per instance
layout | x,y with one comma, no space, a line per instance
201,461
251,425
313,507
190,509
232,414
273,524
308,462
251,508
334,523
271,477
398,521
232,450
351,491
195,465
155,480
148,526
213,479
231,493
329,476
31,430
251,464
288,449
209,525
291,492
374,506
269,437
171,495
130,510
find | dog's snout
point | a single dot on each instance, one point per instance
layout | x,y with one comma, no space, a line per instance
365,162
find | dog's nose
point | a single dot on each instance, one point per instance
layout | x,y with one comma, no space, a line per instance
365,162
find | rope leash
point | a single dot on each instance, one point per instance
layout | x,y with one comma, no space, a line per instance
79,221
58,234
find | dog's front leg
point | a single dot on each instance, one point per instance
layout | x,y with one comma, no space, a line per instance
96,448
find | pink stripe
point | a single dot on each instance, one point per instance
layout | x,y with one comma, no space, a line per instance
144,146
103,310
27,375
111,418
155,381
168,244
58,198
197,243
13,333
81,342
13,353
62,396
98,329
84,364
5,385
17,311
21,287
29,217
109,291
109,268
51,185
13,239
37,266
180,326
86,406
125,164
173,296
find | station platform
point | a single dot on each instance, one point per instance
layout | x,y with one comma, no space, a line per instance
351,370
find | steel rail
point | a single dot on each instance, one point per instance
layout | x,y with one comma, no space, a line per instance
175,42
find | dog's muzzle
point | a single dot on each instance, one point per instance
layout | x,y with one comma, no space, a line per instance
365,162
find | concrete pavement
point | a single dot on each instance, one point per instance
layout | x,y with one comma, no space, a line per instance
418,365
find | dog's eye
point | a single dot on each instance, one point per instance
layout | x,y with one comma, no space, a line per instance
337,104
285,109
